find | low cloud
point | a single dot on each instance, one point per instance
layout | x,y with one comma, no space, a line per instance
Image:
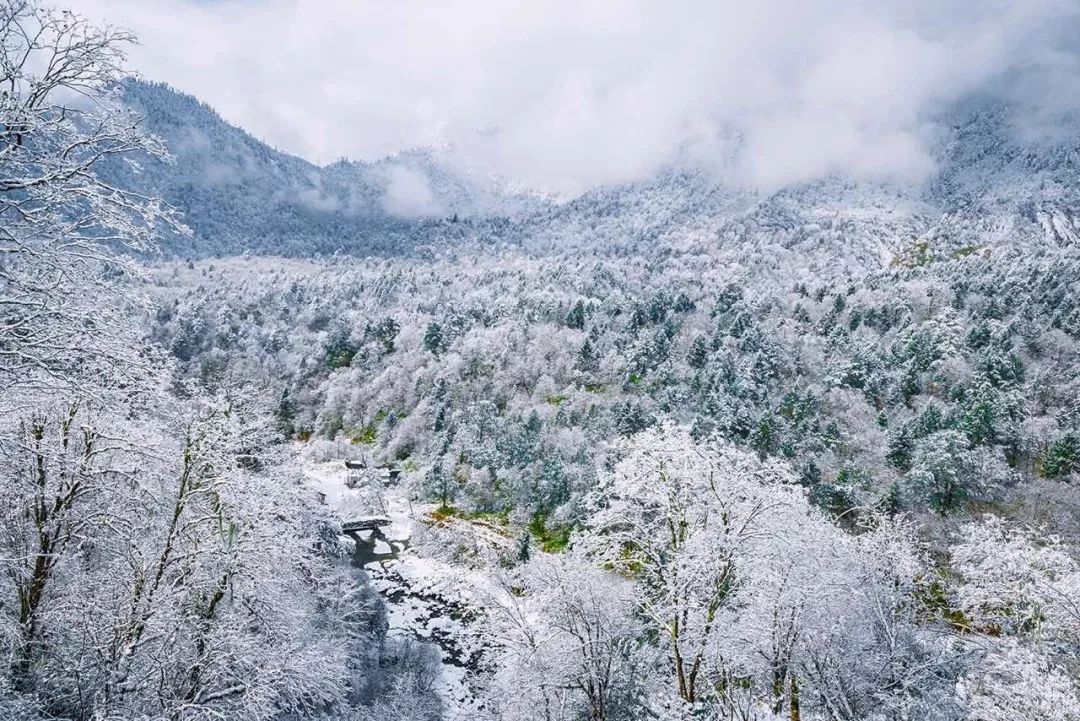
318,200
568,96
408,194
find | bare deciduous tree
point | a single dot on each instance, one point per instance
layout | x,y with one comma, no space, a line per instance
60,223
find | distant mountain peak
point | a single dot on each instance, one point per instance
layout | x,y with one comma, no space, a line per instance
992,186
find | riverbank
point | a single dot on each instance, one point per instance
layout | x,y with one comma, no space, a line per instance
429,594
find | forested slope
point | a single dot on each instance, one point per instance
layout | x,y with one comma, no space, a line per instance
944,386
805,453
239,195
994,184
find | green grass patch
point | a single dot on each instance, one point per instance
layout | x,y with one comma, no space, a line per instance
920,254
492,518
553,539
443,512
933,596
966,251
365,435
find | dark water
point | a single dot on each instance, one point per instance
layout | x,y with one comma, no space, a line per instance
365,551
379,561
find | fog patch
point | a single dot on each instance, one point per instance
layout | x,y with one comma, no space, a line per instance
318,200
566,98
408,194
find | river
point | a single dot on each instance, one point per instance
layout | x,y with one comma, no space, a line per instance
426,599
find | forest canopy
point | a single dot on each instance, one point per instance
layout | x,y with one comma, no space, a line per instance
666,450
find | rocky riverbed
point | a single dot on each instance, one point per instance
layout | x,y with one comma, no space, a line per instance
432,600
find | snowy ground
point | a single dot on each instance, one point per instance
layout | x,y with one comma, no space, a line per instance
427,598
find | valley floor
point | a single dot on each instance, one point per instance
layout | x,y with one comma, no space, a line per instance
432,599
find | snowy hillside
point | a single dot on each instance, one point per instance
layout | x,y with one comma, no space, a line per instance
992,187
240,195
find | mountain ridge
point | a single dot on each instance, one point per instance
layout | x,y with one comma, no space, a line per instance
240,195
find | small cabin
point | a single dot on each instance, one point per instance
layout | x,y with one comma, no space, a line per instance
360,472
355,471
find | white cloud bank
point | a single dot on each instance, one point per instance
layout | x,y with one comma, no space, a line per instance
408,194
566,95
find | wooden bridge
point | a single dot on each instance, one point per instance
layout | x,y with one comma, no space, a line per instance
365,523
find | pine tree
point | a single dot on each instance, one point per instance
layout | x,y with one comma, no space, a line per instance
765,438
892,502
385,331
340,350
980,417
588,360
438,484
524,544
938,469
286,414
434,341
576,317
683,304
726,300
631,417
901,445
698,354
1063,457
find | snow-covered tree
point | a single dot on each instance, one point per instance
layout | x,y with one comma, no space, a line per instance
1018,581
1015,681
568,643
60,224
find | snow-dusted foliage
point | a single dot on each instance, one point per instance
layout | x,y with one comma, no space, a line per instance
840,417
148,568
669,450
568,643
933,388
1021,589
63,309
761,604
1017,581
1017,682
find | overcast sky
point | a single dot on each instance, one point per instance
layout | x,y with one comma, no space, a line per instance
567,95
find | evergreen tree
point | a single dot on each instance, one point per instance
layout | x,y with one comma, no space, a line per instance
385,331
765,440
631,418
938,470
286,414
524,545
339,351
434,340
698,354
588,360
576,317
901,445
440,419
1063,457
684,304
439,485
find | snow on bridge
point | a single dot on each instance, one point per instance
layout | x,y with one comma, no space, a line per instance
364,523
